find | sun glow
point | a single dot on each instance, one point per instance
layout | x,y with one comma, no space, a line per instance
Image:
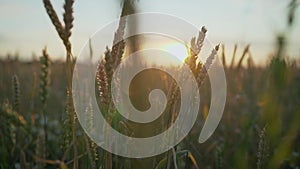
171,46
177,49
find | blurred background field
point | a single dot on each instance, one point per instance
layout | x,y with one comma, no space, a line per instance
260,127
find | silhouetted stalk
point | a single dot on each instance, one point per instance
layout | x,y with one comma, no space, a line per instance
246,50
223,56
233,56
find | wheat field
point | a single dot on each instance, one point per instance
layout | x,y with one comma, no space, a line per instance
259,129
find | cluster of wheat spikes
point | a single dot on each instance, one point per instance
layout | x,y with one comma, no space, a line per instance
200,72
108,65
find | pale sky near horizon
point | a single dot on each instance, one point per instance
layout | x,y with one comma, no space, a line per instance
26,29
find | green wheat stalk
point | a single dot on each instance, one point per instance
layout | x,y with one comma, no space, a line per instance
262,153
16,93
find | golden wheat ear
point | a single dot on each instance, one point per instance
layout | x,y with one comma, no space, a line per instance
54,18
196,46
68,17
64,32
102,83
204,68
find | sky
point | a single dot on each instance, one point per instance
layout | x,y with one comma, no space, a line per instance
26,29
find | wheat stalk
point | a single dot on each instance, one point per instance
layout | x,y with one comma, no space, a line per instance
68,19
196,46
66,128
262,153
44,77
65,33
223,56
40,147
44,85
233,56
102,83
203,68
218,158
16,92
54,18
246,50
